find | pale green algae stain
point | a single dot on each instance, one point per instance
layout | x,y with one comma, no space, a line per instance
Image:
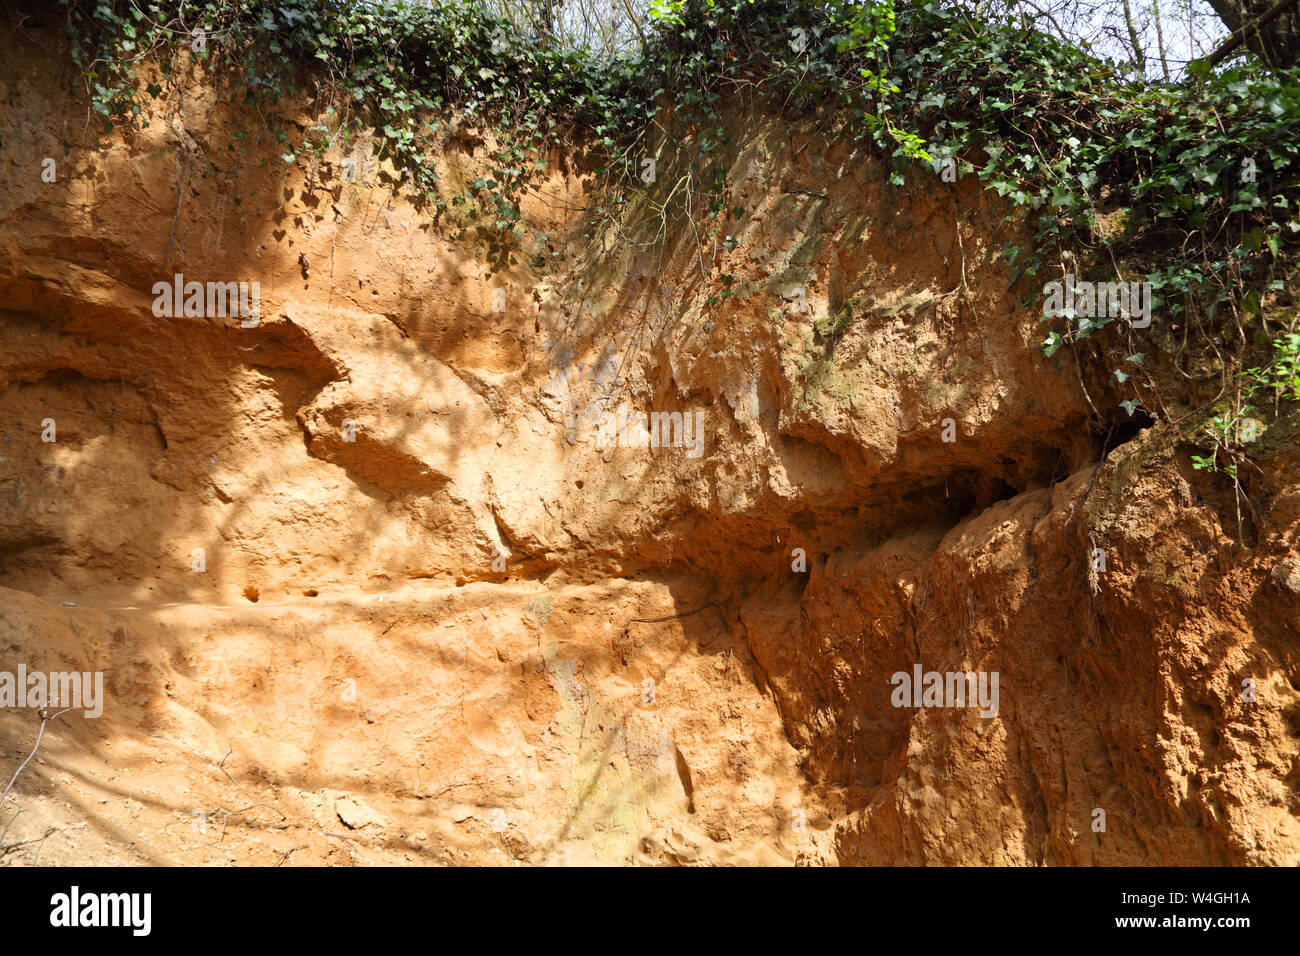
618,768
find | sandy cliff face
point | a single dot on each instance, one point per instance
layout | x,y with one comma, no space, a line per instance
437,621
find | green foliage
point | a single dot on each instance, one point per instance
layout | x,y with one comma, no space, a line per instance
394,66
1282,375
1225,432
668,12
1234,427
1202,176
400,66
1194,184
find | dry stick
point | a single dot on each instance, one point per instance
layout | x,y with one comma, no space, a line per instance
240,811
222,765
6,850
965,292
40,733
36,860
227,814
1236,484
9,824
180,198
289,851
670,617
1078,367
454,786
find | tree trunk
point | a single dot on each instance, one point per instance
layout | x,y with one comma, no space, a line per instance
1277,42
1160,39
1139,55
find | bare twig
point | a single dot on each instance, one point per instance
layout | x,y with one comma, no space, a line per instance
6,850
40,733
289,851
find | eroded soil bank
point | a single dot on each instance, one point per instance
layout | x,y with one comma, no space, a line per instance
436,623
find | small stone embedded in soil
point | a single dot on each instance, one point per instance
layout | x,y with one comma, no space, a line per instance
355,814
1286,574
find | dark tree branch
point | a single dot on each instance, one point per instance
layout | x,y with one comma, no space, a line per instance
1248,31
